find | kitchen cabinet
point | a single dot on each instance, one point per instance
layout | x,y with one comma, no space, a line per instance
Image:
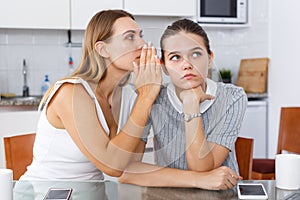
161,7
255,125
75,14
83,10
46,14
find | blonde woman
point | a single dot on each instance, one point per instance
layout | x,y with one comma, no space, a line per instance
78,135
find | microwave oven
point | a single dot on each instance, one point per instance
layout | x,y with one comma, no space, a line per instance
222,11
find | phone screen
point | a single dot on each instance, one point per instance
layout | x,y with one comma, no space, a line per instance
251,190
56,193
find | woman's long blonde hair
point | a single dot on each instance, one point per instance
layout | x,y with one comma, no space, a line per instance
92,66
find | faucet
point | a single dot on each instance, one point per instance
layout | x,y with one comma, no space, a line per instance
25,86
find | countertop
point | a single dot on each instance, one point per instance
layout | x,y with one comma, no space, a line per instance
21,101
257,96
20,104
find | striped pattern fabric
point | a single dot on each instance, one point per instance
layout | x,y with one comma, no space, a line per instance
222,123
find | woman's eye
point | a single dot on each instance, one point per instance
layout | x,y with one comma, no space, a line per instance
175,57
196,54
130,37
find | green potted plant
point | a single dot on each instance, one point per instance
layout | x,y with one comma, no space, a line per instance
226,75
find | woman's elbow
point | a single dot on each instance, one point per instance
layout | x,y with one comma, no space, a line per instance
113,172
125,178
200,167
122,179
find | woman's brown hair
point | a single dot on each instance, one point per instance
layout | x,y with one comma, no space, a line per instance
187,26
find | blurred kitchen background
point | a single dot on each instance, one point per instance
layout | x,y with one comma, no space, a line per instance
272,31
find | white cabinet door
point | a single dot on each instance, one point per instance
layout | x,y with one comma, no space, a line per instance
255,126
83,10
48,14
161,7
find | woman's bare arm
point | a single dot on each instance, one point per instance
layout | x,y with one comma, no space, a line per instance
144,174
77,113
201,155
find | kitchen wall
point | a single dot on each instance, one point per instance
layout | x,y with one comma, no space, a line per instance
46,53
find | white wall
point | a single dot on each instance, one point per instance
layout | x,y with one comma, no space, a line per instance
285,68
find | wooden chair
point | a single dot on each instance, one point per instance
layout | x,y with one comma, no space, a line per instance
18,153
244,154
288,140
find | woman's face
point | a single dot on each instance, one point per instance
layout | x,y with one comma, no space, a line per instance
126,43
186,60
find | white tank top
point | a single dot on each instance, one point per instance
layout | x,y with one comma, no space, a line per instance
56,156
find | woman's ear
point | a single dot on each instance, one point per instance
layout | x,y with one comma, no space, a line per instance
164,68
211,58
101,48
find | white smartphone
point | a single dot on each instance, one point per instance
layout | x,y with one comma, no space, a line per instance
251,191
58,193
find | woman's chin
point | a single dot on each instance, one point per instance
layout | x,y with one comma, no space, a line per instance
189,86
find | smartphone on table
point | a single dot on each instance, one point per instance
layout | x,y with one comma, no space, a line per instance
59,193
251,191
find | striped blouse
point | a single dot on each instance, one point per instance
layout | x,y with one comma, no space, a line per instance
222,121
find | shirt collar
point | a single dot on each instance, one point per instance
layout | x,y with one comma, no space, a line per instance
211,88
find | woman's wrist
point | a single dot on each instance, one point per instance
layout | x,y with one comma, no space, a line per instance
191,107
189,117
146,99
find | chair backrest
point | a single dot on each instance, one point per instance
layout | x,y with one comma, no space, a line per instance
244,156
19,153
289,130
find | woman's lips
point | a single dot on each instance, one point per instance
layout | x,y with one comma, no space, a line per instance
188,76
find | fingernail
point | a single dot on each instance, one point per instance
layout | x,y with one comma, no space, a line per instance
149,43
145,46
134,64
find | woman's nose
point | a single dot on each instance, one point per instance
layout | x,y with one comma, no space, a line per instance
141,43
186,64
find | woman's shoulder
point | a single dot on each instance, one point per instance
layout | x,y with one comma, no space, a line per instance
231,91
67,86
162,93
71,80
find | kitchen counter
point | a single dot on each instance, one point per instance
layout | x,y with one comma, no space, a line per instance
20,103
257,96
17,101
257,113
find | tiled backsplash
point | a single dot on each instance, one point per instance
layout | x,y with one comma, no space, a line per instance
45,51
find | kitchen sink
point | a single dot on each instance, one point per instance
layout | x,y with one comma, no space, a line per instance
20,101
30,98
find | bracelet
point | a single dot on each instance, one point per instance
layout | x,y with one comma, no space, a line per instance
189,117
